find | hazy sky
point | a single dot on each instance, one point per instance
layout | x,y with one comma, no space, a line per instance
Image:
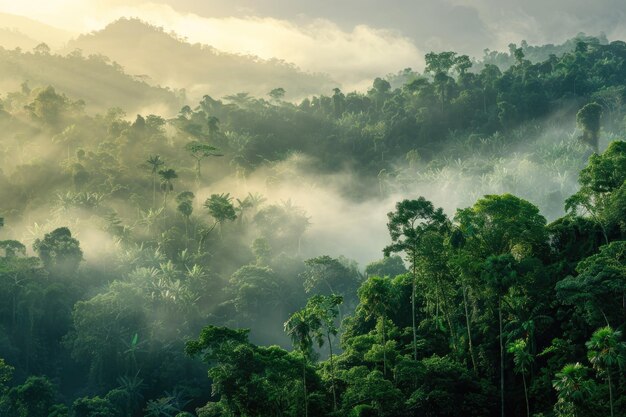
346,38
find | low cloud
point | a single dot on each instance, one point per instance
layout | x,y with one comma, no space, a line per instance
353,56
555,21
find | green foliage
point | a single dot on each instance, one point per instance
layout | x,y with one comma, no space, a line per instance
500,224
167,175
220,207
252,380
6,374
34,398
200,151
598,289
59,251
448,389
588,119
601,194
331,276
521,357
605,352
185,203
93,407
391,266
574,390
12,248
493,307
605,349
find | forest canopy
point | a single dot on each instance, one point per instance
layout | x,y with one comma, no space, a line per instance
217,260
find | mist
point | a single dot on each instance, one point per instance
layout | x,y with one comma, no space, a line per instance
335,208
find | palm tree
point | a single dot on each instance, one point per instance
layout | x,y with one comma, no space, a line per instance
376,297
154,163
242,207
300,326
185,208
326,310
162,407
167,175
523,360
604,352
132,386
573,389
525,320
256,200
242,100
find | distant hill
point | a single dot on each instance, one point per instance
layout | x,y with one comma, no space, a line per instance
94,79
11,38
143,49
25,33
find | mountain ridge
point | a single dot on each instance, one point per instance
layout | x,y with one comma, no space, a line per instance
142,48
32,30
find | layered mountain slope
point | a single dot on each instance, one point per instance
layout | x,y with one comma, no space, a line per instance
143,49
25,33
100,83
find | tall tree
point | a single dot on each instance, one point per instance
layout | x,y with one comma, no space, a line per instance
326,309
439,65
220,207
377,301
599,290
185,207
523,360
500,274
200,151
213,124
300,327
602,188
167,176
501,224
606,351
588,119
59,251
408,226
154,162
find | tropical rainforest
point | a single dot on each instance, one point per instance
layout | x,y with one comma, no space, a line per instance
233,256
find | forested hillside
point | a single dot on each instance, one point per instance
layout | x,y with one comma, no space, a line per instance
22,32
165,59
140,251
98,82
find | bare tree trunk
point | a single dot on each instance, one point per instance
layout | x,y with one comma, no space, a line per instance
154,190
306,400
469,331
332,371
446,313
608,373
413,313
501,361
198,172
526,396
384,349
